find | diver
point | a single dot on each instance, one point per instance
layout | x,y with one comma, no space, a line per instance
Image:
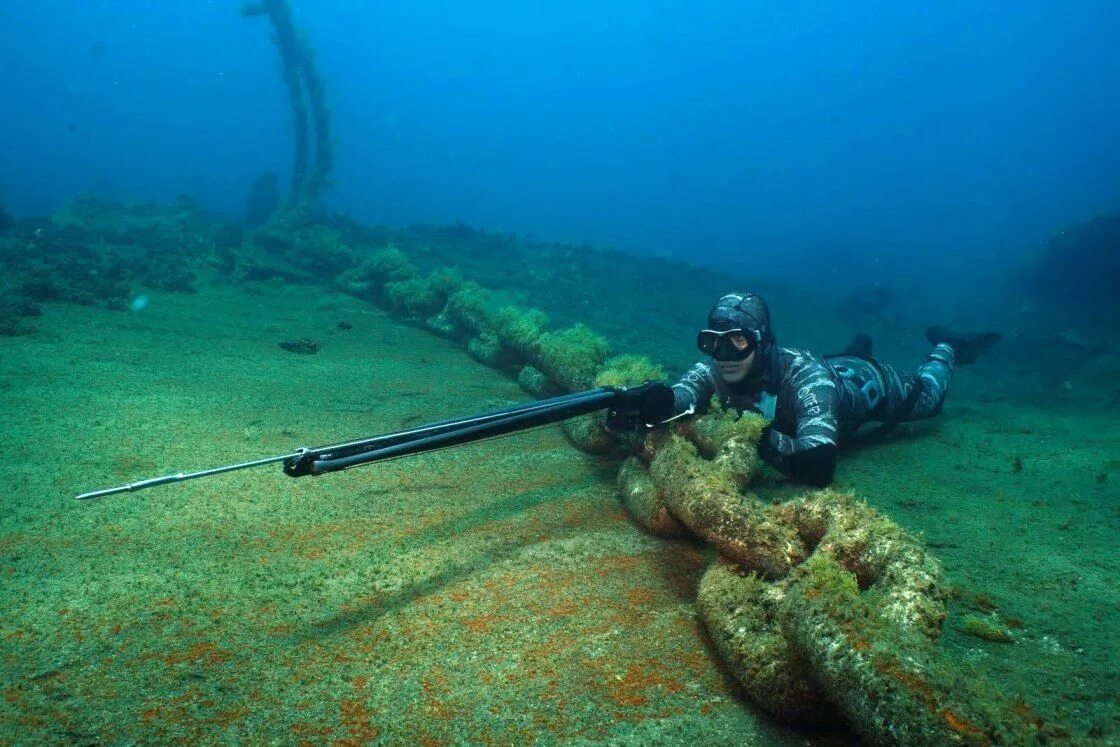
814,402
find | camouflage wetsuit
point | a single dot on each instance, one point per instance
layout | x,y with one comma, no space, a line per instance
816,402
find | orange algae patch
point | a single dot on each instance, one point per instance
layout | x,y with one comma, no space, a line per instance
205,653
575,516
961,726
564,609
181,712
356,718
640,683
913,682
855,640
435,688
617,563
228,717
539,661
483,623
926,694
1023,711
697,661
304,729
639,596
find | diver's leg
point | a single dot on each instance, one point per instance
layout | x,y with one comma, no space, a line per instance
931,381
922,394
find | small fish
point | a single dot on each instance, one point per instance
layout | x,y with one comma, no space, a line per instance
138,303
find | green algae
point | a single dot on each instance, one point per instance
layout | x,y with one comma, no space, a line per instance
482,326
533,381
573,356
847,610
420,297
520,330
742,611
488,351
889,681
629,370
489,594
469,308
986,628
645,502
366,278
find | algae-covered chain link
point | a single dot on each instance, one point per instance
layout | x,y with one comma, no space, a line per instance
787,605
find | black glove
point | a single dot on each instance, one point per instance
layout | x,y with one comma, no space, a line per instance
769,453
813,466
638,406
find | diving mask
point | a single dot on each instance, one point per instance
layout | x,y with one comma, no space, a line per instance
728,345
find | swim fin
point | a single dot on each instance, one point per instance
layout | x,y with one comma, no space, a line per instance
859,346
967,347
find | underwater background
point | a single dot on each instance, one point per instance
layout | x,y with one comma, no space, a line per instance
230,230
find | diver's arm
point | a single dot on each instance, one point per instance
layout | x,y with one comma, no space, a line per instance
809,456
694,391
814,465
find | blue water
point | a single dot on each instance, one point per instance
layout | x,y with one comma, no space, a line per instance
884,141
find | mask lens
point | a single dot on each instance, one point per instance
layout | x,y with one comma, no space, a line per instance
707,341
738,342
732,345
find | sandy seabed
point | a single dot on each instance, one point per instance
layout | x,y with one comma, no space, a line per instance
494,593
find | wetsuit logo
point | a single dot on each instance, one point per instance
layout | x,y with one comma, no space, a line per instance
809,398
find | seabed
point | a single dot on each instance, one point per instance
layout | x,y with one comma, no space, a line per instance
491,594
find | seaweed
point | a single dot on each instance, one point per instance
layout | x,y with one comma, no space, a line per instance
572,357
988,628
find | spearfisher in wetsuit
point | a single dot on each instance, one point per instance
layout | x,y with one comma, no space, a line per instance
815,401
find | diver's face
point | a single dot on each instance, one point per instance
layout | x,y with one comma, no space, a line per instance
735,371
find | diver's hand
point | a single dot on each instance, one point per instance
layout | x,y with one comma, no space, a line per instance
641,407
768,451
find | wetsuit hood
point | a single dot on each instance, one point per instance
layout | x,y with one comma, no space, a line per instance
748,312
